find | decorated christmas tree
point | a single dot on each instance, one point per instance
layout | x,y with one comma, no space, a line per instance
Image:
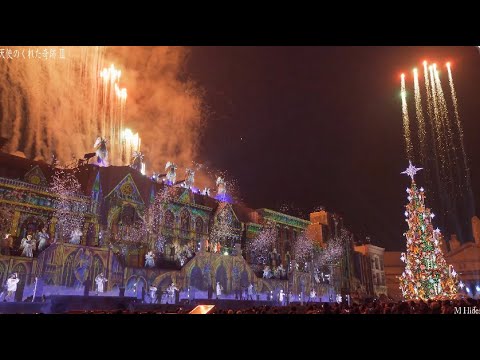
426,275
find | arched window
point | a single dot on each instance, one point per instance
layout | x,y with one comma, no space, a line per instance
68,277
287,234
91,235
198,226
128,215
169,219
185,221
198,232
97,268
3,273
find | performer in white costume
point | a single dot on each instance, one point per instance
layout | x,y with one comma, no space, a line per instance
12,285
250,291
28,245
153,294
171,293
75,236
219,290
150,259
281,297
100,280
43,238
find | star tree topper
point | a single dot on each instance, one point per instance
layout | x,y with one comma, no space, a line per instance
411,170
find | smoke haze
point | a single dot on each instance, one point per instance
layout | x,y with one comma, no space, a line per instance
51,105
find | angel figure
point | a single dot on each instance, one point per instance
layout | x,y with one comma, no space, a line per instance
190,178
28,246
221,186
101,151
171,170
150,259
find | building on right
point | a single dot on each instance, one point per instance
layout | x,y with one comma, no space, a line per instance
465,259
375,255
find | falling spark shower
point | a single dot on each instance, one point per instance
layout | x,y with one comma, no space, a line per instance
440,148
406,121
122,142
130,143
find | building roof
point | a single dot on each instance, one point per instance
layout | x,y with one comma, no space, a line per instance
15,167
466,249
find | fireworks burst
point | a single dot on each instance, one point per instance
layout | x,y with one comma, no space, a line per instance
459,124
406,121
420,119
440,148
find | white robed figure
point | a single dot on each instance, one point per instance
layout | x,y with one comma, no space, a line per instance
28,245
100,280
338,298
150,259
43,238
250,291
75,236
313,295
267,273
101,151
171,292
12,285
190,179
219,290
281,297
221,186
171,175
153,294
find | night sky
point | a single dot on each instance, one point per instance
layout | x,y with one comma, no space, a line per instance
312,126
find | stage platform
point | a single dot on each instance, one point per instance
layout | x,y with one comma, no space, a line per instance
24,307
71,304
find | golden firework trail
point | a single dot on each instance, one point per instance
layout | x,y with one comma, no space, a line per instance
439,147
458,123
420,119
406,121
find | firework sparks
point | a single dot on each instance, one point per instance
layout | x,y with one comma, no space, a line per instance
443,136
303,248
263,243
458,123
406,121
223,232
68,209
130,144
421,121
333,251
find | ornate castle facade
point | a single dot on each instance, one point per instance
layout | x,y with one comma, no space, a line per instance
114,199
